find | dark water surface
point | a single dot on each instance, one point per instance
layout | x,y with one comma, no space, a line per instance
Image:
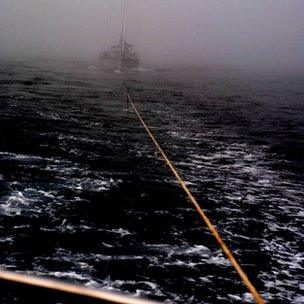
84,197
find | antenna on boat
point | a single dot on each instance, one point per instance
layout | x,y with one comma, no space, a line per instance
123,31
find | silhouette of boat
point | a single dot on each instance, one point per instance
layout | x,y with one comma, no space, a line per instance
121,55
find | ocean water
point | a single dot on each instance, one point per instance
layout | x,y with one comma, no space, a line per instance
85,198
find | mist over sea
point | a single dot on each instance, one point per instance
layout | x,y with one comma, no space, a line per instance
85,198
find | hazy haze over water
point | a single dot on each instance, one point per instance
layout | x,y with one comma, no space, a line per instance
260,34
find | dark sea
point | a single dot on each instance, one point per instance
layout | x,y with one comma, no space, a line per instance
85,197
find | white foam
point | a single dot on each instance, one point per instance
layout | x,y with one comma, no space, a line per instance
92,68
8,239
300,214
247,298
196,250
235,297
119,231
142,69
70,274
14,204
9,155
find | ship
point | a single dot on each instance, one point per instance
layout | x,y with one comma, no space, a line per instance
121,55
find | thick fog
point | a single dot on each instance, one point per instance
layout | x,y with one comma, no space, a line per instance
253,33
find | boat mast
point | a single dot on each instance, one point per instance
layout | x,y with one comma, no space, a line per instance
123,31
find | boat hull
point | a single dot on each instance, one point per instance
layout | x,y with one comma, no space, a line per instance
116,64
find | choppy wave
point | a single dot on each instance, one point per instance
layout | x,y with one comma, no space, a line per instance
85,198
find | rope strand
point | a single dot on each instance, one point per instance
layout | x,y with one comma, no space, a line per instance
72,289
255,294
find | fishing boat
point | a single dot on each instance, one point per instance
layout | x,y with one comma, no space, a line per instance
121,55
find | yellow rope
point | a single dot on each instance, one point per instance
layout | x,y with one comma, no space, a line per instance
257,297
103,296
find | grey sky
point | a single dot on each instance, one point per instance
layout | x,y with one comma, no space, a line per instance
266,33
